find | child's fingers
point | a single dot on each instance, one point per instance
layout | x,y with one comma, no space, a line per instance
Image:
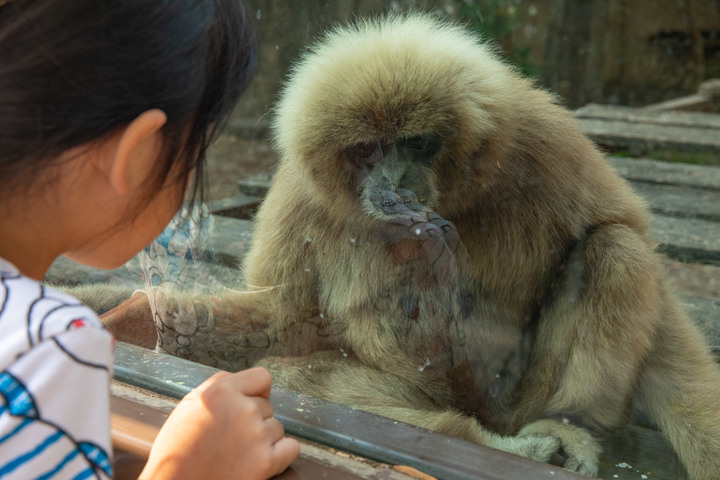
254,382
286,451
275,430
208,383
261,406
250,387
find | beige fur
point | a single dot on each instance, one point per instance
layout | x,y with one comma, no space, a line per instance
566,312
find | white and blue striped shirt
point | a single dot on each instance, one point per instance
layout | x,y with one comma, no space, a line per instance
55,372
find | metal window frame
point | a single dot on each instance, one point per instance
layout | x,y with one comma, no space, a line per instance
344,428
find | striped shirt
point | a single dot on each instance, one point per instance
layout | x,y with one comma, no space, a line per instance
55,372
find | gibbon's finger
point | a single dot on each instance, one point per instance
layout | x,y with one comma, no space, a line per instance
409,238
450,233
423,247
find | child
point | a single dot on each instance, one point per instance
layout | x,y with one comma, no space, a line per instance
106,110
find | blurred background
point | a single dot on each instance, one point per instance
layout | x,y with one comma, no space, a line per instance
601,51
605,51
613,52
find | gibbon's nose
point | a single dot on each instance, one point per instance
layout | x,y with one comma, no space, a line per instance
392,168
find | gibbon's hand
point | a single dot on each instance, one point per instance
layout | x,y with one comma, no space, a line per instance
223,429
414,235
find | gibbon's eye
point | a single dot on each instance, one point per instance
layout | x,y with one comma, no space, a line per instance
365,153
422,146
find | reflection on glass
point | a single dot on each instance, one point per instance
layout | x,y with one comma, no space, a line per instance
412,264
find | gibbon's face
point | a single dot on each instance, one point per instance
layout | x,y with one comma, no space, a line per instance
405,163
401,103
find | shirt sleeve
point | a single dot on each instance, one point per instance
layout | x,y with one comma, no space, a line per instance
54,406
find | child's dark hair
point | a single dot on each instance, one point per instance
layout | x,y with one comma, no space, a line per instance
73,71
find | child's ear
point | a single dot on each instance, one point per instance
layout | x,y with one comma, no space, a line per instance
133,140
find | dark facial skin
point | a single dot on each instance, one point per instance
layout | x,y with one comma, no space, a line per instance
389,166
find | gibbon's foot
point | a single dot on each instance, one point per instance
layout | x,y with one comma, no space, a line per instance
535,447
578,447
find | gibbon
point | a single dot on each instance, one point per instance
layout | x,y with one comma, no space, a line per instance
547,314
443,246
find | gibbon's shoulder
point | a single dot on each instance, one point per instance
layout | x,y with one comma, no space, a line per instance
356,75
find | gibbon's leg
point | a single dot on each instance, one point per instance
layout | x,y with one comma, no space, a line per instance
680,389
334,377
593,338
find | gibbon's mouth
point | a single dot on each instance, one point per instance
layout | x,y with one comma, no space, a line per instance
381,202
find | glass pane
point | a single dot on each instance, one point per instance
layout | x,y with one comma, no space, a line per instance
441,247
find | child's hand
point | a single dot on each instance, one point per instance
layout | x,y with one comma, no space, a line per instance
223,429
